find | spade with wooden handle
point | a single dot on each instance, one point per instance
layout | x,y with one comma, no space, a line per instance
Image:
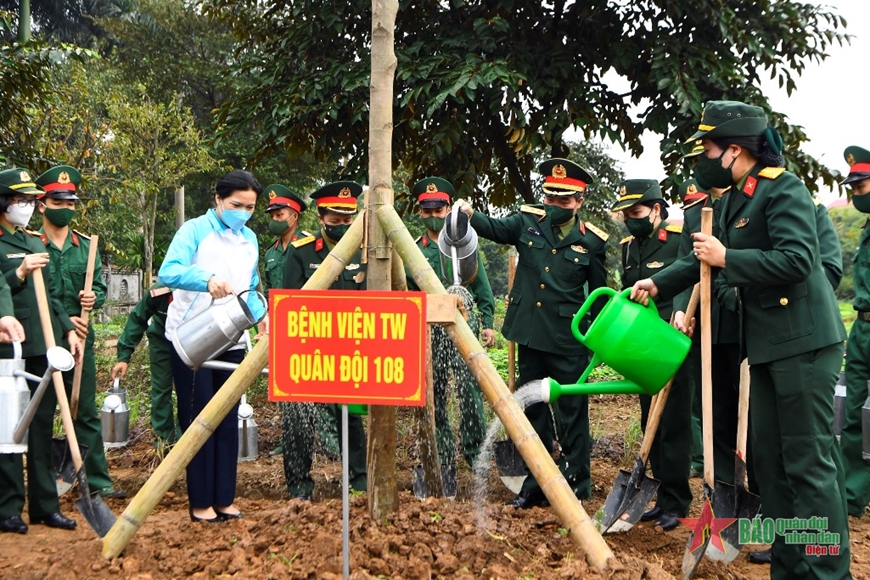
89,282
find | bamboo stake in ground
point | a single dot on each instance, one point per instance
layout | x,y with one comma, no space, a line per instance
85,315
512,353
580,527
214,412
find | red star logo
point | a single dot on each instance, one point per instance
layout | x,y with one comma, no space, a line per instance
706,525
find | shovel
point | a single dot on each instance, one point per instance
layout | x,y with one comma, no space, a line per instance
89,282
632,491
735,501
706,525
95,510
508,461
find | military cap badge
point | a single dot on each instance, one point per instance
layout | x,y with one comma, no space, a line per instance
691,189
431,188
559,171
63,177
344,192
24,176
272,194
850,160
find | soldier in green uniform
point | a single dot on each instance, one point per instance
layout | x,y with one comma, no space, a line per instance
149,316
560,259
791,327
858,345
653,246
433,196
22,252
68,251
336,208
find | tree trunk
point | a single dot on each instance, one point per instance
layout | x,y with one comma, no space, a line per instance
179,207
383,497
148,241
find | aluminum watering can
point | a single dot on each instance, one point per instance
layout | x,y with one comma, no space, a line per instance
457,243
213,331
248,432
630,338
115,417
17,408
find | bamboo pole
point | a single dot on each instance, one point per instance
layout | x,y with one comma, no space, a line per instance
214,412
383,494
512,352
580,527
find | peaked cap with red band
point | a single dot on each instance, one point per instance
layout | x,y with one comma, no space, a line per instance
564,177
858,159
433,192
690,191
280,196
60,182
339,197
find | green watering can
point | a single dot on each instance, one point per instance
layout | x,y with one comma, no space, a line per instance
632,340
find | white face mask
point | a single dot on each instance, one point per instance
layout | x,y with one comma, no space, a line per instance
19,216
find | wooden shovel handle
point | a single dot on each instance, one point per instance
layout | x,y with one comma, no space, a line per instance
743,409
657,405
89,283
707,355
56,376
512,355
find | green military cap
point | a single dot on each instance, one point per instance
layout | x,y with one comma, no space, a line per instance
280,196
433,192
858,159
730,119
16,180
635,191
60,182
697,148
339,197
690,190
564,177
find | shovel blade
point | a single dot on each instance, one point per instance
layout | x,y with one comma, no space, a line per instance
98,515
630,515
693,557
510,465
625,503
64,468
732,501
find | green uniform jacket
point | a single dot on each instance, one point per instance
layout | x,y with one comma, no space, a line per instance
643,258
307,255
149,314
769,229
6,306
725,325
479,287
274,262
13,248
68,268
552,279
860,272
829,245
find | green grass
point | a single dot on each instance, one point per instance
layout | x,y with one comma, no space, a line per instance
847,313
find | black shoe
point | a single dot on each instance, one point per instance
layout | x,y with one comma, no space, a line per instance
652,514
762,557
303,496
667,521
522,502
13,525
215,520
223,516
54,521
112,493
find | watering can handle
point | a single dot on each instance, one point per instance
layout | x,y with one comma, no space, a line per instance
261,297
16,349
593,296
116,384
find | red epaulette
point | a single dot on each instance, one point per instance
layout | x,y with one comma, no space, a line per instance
425,241
319,245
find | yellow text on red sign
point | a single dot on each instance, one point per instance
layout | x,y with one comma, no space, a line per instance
334,346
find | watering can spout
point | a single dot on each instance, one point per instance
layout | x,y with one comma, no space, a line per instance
552,391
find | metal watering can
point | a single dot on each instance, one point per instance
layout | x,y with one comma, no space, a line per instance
630,338
457,243
115,417
214,330
17,408
865,425
248,432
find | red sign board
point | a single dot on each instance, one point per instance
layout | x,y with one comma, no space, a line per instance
338,346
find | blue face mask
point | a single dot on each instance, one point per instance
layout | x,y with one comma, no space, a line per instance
234,219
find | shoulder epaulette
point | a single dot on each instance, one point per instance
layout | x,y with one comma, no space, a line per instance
303,242
532,210
82,235
624,240
771,172
674,228
155,292
597,231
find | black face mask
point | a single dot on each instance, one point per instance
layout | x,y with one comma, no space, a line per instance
710,173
